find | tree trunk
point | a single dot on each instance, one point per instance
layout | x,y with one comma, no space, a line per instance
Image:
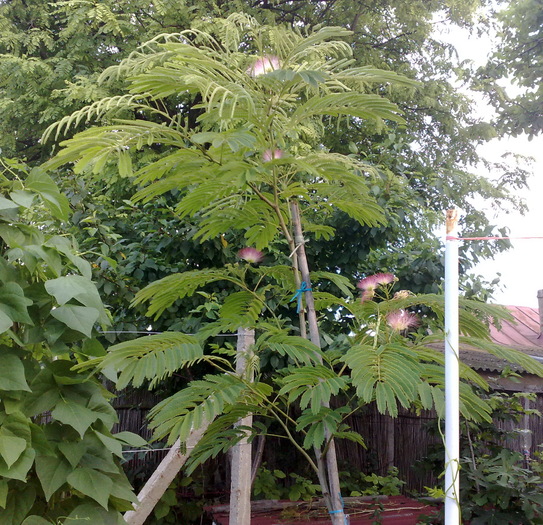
333,498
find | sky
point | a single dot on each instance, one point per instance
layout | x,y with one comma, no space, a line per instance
520,267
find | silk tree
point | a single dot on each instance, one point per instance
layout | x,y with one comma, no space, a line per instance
230,116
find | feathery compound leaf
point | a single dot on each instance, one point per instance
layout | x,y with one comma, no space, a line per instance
299,349
200,401
528,363
242,308
389,374
152,357
326,420
163,293
314,385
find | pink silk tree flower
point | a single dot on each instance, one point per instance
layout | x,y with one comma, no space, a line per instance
400,320
373,281
271,154
251,255
367,295
264,65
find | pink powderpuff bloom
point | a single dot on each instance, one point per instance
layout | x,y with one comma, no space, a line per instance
271,154
400,320
264,65
367,295
373,281
251,255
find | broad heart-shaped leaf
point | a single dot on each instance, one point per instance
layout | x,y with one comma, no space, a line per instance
69,287
74,287
114,446
12,373
92,483
20,468
75,415
19,503
5,322
80,318
89,513
73,451
52,473
11,447
57,203
14,303
129,438
35,520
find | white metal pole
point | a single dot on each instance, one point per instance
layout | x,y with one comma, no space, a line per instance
452,394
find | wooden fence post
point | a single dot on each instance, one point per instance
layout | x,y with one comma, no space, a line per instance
240,488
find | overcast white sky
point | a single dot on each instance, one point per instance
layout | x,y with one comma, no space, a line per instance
520,267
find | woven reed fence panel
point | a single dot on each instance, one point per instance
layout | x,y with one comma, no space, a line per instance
399,442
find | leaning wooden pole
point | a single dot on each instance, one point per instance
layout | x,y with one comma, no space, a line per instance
162,478
335,506
452,379
240,488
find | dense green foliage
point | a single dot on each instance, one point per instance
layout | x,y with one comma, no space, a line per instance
51,58
514,75
58,457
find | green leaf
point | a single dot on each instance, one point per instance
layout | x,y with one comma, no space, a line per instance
42,184
12,373
5,322
52,473
6,204
92,514
152,357
112,444
129,438
75,415
11,447
22,198
76,287
73,451
93,484
35,520
80,318
19,503
14,303
4,487
20,468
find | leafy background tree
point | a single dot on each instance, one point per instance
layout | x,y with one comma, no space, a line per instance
52,55
513,77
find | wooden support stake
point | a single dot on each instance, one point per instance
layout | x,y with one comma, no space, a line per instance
240,491
330,486
162,478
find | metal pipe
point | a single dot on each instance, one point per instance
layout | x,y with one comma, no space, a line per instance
452,378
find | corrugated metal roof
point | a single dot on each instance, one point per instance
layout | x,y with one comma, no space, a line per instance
523,332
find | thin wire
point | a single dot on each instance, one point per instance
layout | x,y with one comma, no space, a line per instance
146,332
452,238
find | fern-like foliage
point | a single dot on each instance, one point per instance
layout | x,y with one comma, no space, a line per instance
163,293
151,358
387,374
202,401
217,167
313,386
297,349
